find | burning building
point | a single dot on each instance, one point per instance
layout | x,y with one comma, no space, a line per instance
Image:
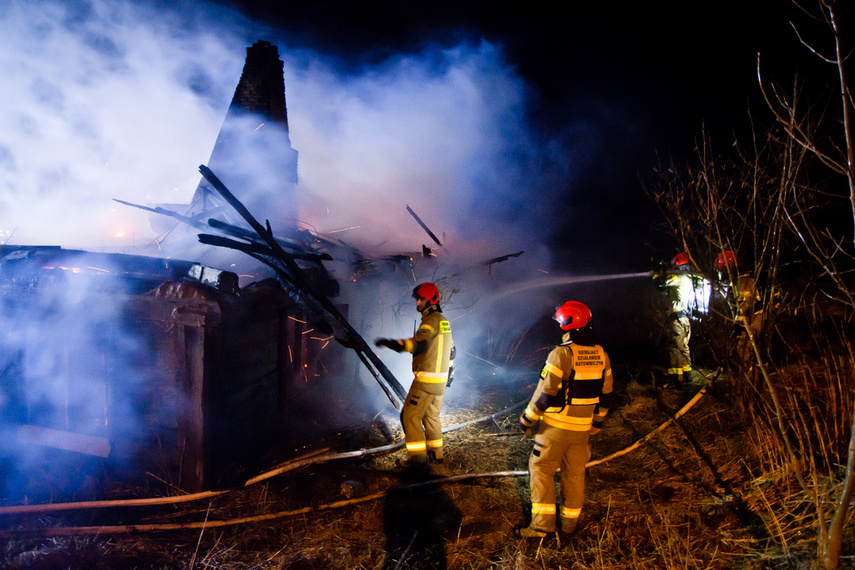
172,367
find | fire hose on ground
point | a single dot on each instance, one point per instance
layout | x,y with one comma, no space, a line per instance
317,457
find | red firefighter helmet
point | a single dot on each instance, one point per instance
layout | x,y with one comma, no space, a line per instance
427,291
725,260
573,315
680,260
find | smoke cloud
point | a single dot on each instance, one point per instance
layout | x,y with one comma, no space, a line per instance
119,99
124,100
104,100
443,131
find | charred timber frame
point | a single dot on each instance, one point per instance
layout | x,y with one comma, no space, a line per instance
189,324
293,279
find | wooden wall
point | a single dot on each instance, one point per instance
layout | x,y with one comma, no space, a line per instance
196,384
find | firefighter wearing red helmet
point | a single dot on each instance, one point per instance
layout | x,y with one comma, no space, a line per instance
571,401
725,261
743,299
679,287
433,358
681,261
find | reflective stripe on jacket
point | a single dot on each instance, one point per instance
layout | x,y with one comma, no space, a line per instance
680,291
574,390
431,348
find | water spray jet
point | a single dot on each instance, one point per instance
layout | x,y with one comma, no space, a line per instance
564,280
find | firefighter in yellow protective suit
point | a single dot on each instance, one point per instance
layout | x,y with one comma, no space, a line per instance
679,289
433,358
744,300
571,401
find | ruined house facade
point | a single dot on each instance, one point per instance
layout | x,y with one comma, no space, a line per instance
156,365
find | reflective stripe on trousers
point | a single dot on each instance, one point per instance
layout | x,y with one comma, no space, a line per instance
420,420
679,355
554,448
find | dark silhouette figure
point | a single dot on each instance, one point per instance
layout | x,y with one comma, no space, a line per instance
418,519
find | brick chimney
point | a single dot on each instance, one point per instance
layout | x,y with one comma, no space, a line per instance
262,84
253,154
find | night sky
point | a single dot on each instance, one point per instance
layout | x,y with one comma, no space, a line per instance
621,86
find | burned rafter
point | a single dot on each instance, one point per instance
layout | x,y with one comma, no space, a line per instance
231,230
251,248
192,221
502,258
293,278
424,226
249,236
489,263
260,252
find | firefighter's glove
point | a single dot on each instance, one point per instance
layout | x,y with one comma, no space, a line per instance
526,424
450,377
389,343
658,274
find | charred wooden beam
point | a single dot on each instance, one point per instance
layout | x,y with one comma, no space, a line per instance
502,258
229,229
424,226
190,221
291,244
254,247
489,263
313,309
288,270
248,248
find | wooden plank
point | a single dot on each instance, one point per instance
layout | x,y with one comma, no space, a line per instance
60,439
192,422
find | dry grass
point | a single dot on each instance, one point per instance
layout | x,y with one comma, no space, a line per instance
711,491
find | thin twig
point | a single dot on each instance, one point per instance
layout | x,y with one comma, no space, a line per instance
199,541
406,551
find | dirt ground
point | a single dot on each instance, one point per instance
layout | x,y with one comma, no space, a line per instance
692,496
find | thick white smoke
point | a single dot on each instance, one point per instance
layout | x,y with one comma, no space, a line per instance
104,100
118,99
441,130
124,100
444,132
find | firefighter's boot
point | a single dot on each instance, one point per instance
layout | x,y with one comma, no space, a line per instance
569,526
414,462
528,532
